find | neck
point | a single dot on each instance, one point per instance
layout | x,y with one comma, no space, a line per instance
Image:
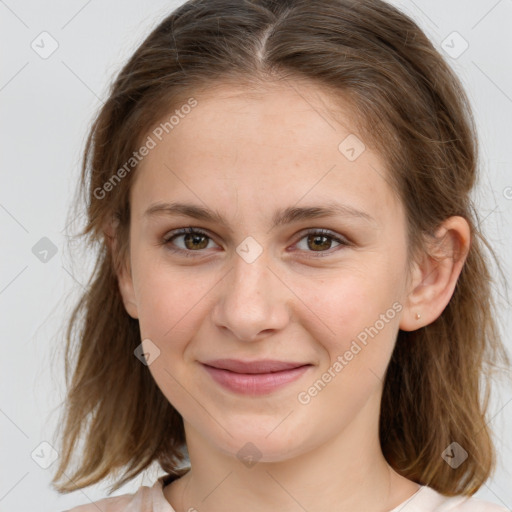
346,473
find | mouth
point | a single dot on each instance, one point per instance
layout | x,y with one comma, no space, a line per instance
254,377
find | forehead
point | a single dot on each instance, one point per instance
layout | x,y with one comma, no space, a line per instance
289,142
270,115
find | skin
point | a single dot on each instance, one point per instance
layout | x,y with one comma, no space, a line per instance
247,154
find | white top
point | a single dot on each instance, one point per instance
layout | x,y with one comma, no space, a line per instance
152,499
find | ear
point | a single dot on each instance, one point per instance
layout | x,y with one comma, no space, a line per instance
124,274
124,278
435,276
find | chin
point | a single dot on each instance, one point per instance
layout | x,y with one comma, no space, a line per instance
250,446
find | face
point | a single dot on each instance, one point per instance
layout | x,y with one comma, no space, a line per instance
323,291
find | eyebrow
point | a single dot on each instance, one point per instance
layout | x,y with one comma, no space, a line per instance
280,217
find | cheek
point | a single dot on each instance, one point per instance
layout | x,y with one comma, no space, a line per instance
167,300
341,308
354,327
169,304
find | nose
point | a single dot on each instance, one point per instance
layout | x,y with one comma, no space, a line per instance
253,302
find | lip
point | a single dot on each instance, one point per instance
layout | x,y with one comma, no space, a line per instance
254,377
259,366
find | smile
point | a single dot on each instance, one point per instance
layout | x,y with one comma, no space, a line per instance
255,383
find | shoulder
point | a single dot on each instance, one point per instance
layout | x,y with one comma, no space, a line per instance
139,501
431,500
112,504
473,504
146,499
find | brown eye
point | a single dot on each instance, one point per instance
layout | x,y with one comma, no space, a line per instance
194,240
320,241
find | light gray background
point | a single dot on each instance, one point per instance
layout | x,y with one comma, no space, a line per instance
46,107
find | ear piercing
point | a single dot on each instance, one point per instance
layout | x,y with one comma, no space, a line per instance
418,316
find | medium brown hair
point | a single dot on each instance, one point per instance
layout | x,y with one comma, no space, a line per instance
410,107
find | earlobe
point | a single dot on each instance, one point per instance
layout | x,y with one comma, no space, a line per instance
434,278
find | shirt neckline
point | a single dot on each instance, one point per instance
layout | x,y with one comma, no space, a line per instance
161,504
409,499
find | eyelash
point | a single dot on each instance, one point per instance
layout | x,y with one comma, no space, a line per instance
190,230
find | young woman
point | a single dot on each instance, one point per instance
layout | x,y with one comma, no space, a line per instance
291,294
